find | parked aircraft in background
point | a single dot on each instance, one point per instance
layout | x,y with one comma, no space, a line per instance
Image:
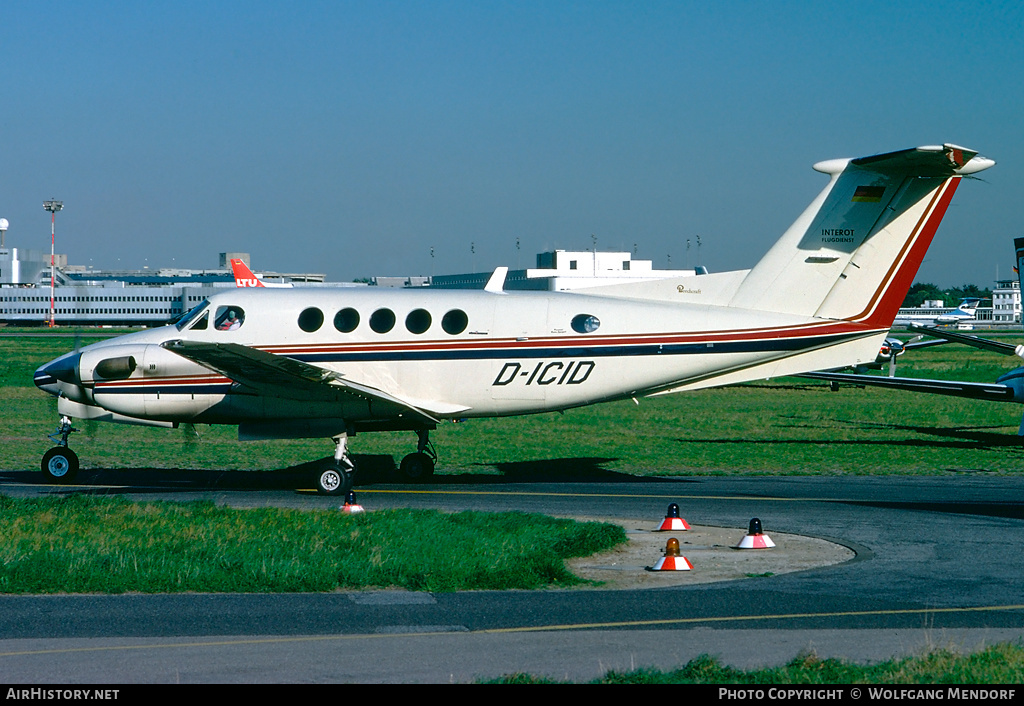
966,312
244,277
335,362
1007,388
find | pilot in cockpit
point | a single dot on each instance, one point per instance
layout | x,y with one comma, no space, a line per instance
230,321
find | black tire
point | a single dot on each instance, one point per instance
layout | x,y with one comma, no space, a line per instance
60,465
417,467
332,480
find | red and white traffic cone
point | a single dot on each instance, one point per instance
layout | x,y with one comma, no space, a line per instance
351,506
756,538
673,559
673,522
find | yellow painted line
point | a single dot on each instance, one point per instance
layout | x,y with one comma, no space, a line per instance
748,618
525,493
505,631
604,495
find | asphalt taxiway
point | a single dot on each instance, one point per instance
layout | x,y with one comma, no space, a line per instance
935,564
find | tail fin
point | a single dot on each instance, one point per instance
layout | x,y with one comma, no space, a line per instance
853,254
244,277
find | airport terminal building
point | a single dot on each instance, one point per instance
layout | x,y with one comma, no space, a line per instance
145,297
86,297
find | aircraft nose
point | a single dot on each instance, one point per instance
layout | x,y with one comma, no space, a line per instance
64,369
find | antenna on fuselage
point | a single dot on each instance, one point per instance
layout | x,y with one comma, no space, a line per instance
496,283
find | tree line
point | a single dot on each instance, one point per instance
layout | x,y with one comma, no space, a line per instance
924,291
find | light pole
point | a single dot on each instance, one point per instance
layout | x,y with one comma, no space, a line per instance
52,206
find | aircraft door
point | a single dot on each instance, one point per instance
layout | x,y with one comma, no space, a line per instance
518,375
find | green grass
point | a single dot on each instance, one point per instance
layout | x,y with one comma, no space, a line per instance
999,664
788,426
84,544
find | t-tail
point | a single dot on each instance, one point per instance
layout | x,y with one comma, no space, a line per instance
853,254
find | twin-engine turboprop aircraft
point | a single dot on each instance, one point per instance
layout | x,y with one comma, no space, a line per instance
296,363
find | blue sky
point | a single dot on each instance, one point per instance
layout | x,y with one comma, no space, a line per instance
350,138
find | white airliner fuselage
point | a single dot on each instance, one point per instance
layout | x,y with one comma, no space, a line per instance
318,362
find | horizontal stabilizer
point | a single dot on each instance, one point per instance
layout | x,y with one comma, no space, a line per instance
972,390
973,341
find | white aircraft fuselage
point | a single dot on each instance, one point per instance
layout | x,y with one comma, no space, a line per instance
517,354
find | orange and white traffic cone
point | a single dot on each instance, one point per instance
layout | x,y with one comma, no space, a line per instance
673,522
351,506
673,559
756,538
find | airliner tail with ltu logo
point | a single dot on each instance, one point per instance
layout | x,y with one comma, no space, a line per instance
244,277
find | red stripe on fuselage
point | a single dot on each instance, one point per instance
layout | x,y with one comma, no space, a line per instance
817,328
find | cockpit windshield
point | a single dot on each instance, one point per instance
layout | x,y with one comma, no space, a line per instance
192,315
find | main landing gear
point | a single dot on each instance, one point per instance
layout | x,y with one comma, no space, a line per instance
335,476
60,464
418,467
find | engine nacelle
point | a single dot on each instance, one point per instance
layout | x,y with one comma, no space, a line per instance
145,380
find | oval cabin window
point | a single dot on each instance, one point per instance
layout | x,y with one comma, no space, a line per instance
346,320
311,319
455,322
382,320
418,321
585,323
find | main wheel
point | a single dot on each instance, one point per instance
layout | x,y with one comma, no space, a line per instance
332,480
417,467
60,464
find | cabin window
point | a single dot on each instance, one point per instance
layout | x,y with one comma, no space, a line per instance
455,322
346,320
382,320
585,323
311,319
229,318
418,321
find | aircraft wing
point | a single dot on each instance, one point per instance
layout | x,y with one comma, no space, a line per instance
972,390
278,376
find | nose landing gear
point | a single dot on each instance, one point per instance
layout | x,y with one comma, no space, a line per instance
60,464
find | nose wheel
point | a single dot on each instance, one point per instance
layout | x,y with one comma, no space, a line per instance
60,464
